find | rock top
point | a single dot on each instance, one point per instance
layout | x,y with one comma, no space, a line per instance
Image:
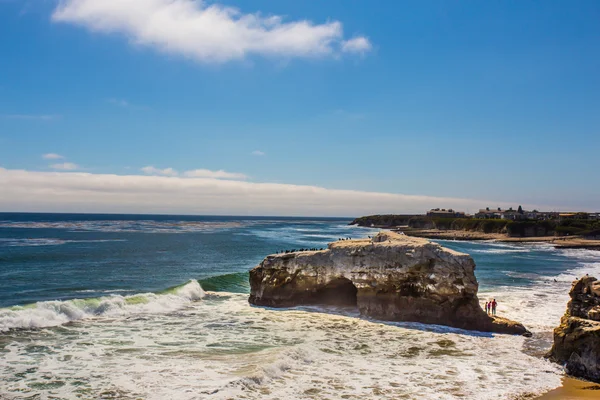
389,277
577,339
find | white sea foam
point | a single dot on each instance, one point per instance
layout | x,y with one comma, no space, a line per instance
8,242
140,226
500,251
581,254
223,348
541,305
592,269
299,236
34,242
55,313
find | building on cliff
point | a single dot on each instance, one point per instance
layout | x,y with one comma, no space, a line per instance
446,213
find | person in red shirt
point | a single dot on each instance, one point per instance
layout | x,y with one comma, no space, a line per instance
494,305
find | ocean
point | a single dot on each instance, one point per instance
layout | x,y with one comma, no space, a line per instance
155,307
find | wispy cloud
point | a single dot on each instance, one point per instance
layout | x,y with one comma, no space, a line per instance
196,173
66,166
87,192
359,45
258,153
209,32
220,174
52,156
150,170
43,117
125,104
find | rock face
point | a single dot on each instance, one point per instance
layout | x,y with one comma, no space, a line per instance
577,339
389,277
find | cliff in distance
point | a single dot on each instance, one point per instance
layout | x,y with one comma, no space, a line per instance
523,228
389,277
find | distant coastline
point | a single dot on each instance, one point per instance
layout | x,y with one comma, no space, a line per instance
567,234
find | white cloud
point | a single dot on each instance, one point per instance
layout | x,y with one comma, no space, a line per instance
119,102
150,170
358,44
208,32
196,173
124,104
258,153
66,166
52,156
86,192
220,174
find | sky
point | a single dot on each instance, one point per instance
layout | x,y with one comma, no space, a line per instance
286,107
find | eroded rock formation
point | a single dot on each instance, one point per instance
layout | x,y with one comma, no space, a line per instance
577,339
389,277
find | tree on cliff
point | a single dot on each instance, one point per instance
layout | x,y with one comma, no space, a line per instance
520,210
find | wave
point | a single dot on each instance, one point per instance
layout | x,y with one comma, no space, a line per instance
500,251
309,236
55,313
233,283
139,226
582,254
570,275
13,242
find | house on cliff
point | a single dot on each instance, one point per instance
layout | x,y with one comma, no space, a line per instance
515,215
490,214
443,213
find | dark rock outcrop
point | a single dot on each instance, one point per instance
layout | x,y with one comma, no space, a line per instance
390,277
577,339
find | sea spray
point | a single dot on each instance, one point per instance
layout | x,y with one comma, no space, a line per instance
54,313
223,348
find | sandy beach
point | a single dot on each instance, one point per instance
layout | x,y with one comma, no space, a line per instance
558,242
573,389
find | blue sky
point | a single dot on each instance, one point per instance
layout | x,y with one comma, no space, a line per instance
486,101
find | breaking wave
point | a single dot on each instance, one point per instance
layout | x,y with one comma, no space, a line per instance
30,242
54,313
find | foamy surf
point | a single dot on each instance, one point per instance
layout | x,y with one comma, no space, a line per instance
54,313
167,345
541,305
222,348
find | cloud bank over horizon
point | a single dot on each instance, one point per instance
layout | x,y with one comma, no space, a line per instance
209,32
37,191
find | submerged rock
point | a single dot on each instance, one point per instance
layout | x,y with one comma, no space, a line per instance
577,339
389,277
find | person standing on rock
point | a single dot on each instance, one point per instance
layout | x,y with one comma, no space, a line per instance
494,304
487,310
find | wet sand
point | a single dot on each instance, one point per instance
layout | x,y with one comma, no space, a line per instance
573,389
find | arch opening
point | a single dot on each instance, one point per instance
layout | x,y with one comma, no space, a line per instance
338,292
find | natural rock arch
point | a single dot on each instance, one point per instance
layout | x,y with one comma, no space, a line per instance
389,277
338,292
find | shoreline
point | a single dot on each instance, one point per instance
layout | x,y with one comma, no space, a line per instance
573,389
567,242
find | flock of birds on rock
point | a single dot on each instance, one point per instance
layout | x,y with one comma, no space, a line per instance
313,249
297,251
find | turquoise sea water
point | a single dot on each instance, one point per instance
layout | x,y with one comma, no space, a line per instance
112,306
